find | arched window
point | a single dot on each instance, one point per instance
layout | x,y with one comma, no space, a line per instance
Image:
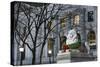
91,37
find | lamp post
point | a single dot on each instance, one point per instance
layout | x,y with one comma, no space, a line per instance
22,51
49,54
51,49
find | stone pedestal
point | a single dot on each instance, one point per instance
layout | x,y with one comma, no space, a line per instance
63,57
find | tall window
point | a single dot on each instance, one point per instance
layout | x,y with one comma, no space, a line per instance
90,16
91,37
49,25
76,19
63,22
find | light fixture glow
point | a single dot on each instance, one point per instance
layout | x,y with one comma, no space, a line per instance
21,49
49,51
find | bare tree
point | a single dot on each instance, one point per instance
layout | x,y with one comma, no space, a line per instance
31,18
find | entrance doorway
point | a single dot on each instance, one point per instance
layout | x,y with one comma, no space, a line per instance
62,41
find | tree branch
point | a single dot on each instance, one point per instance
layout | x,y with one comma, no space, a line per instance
28,46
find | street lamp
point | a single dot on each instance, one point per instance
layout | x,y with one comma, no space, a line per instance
50,52
51,49
22,51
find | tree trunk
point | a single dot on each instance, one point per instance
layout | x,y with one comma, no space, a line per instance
41,54
42,51
34,49
34,56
